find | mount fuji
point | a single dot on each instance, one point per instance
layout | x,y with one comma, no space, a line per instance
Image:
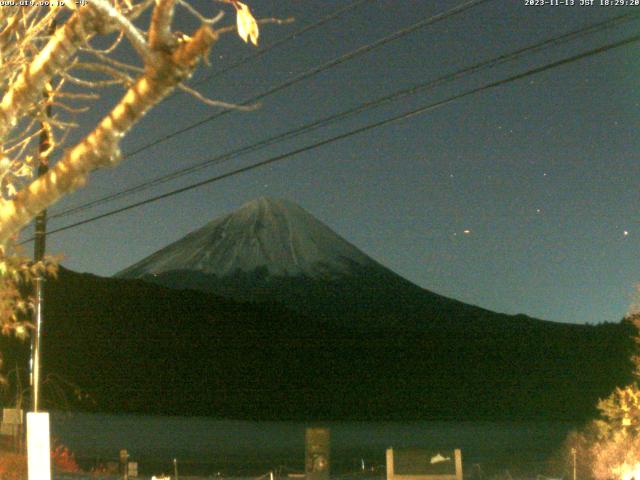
266,313
274,250
271,235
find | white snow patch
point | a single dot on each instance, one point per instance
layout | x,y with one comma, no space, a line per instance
265,233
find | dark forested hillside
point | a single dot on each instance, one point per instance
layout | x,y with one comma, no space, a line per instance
139,347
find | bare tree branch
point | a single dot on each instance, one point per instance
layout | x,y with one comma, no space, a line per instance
101,147
217,103
160,36
129,29
53,59
199,16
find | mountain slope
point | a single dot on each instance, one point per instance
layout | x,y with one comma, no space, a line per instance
359,341
273,250
142,348
275,235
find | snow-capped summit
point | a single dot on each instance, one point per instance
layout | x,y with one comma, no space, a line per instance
272,250
275,251
267,234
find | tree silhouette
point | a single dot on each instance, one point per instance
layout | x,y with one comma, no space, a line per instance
49,58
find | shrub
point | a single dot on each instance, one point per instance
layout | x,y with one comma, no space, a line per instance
13,466
63,460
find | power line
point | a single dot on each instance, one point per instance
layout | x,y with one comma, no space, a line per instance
321,68
332,16
356,131
358,109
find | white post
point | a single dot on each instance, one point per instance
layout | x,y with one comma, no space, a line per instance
390,466
458,457
38,447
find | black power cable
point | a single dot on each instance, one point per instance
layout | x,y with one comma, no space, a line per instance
332,16
358,109
316,70
388,121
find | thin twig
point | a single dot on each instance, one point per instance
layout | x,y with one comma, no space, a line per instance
78,96
106,51
18,138
199,16
89,83
117,63
21,145
217,103
70,109
62,124
105,69
134,35
138,9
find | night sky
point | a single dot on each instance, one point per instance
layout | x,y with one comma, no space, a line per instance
520,199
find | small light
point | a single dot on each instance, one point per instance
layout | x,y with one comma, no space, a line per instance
626,233
467,232
21,332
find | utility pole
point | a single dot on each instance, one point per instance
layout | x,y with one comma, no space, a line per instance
38,255
38,435
44,148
